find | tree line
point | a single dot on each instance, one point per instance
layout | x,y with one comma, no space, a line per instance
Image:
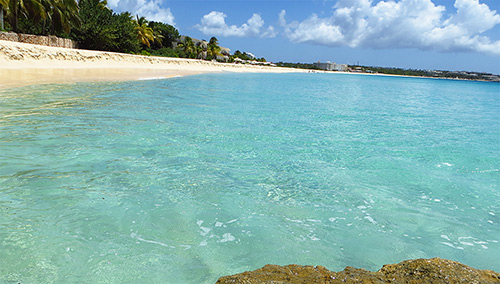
464,75
95,26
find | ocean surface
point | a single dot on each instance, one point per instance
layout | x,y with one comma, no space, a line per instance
188,179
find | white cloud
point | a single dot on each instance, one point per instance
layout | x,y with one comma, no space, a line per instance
214,23
150,9
269,32
282,19
474,17
399,24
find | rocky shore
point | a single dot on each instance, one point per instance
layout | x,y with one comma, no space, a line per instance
435,270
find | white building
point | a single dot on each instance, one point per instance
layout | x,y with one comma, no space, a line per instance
329,66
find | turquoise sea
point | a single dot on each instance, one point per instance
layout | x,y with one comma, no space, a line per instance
188,179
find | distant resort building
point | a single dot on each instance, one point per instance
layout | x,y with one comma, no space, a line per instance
329,66
224,54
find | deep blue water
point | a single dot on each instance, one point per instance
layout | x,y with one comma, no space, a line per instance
188,179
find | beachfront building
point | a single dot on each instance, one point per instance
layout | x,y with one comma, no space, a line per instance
329,66
224,54
340,67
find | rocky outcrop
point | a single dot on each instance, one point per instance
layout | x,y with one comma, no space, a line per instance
435,270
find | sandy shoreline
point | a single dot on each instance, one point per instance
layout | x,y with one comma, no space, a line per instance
24,64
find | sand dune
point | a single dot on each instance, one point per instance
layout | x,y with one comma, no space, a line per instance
27,64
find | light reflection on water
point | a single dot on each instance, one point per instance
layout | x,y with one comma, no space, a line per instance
188,179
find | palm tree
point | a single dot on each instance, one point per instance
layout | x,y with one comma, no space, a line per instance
60,14
63,15
30,9
103,5
158,37
37,11
14,12
213,48
3,4
214,41
200,50
145,34
188,47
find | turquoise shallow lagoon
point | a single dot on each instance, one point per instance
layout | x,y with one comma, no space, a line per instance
188,179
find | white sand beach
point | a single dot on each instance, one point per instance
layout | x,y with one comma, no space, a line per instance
27,64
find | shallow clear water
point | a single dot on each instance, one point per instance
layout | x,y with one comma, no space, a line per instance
188,179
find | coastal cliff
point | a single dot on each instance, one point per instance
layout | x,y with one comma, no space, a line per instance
435,270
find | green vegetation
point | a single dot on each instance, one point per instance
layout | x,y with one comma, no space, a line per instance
188,48
55,17
213,49
392,71
297,65
245,57
242,56
167,33
144,32
101,29
94,26
428,73
3,3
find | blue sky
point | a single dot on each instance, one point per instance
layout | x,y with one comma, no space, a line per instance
420,34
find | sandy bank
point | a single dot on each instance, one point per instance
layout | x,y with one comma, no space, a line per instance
27,64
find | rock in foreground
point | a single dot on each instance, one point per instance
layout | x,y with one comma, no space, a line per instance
435,270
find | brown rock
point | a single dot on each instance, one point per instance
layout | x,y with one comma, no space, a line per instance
435,270
38,40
